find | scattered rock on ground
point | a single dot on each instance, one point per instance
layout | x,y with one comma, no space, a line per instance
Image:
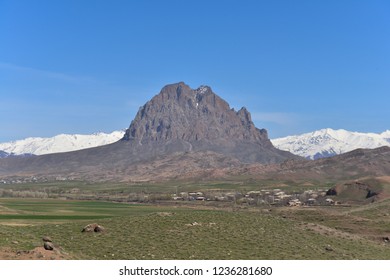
165,214
328,248
47,239
48,246
194,224
93,228
98,228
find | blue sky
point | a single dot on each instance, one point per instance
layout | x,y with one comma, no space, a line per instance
87,66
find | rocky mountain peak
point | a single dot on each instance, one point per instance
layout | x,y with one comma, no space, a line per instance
245,116
181,119
179,112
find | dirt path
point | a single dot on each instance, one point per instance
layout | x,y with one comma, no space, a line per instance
5,210
329,231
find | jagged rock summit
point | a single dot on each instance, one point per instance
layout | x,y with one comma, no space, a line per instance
180,112
199,120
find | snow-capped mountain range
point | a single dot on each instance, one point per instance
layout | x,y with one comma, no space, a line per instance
59,143
329,142
321,143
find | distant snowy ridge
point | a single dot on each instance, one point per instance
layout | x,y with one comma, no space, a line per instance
329,142
318,144
59,143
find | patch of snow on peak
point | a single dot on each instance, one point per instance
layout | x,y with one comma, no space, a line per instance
202,89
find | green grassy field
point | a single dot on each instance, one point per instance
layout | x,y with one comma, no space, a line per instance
169,232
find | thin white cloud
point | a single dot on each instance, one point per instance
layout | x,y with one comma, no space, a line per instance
279,118
43,73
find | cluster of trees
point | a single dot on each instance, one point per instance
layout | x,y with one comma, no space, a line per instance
24,193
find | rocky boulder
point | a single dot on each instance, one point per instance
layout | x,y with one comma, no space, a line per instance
48,246
93,228
47,239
